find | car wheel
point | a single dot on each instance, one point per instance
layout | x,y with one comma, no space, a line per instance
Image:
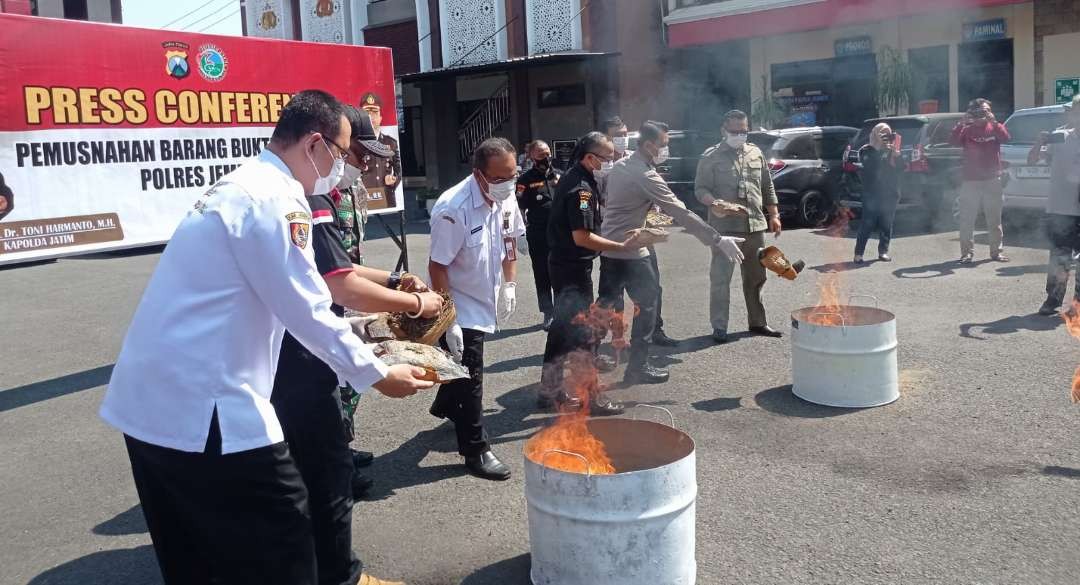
815,209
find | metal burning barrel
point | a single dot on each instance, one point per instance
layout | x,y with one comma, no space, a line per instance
633,526
844,357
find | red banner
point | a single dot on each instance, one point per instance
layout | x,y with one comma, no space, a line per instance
115,131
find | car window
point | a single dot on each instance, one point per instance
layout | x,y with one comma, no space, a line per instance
833,144
1025,129
805,147
764,141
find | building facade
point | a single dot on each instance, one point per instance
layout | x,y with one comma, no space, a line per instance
93,10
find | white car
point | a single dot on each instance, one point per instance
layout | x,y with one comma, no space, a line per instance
1026,186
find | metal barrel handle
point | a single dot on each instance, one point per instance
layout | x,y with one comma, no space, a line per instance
877,303
544,455
633,416
843,321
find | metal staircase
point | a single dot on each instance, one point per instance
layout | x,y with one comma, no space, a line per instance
483,122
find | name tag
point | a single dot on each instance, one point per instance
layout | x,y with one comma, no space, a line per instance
476,229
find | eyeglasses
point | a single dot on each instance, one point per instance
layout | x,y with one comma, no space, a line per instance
739,132
343,153
602,157
498,181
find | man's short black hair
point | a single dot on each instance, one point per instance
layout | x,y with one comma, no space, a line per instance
311,110
588,144
613,122
360,123
489,149
534,145
978,103
651,130
735,115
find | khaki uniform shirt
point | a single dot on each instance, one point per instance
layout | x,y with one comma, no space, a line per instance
630,190
740,176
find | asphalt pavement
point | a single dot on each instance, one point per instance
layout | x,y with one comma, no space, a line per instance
972,476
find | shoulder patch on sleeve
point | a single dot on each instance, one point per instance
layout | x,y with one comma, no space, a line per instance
520,188
321,216
449,219
583,198
299,231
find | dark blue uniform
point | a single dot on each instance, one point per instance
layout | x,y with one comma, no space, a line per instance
535,192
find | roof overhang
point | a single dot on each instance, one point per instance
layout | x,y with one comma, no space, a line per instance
507,65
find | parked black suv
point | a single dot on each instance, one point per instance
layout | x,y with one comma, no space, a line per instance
806,166
932,166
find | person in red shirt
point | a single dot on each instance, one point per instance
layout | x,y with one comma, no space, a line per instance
981,137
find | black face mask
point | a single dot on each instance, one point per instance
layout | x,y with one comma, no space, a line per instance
542,164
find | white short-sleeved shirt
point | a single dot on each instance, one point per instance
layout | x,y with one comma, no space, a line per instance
1064,196
468,237
238,270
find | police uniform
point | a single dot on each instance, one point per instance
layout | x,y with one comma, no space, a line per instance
576,206
468,236
741,176
307,400
535,191
191,388
7,205
380,161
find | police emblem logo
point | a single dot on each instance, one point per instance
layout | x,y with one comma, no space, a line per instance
299,228
176,55
583,197
212,63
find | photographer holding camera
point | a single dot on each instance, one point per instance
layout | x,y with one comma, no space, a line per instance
1062,151
981,136
881,190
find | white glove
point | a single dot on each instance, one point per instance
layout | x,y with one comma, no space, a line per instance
729,246
508,300
523,245
455,342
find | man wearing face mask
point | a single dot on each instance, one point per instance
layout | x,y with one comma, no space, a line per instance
535,189
474,226
633,188
574,241
191,390
733,181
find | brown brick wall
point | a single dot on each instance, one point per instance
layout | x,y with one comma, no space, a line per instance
402,40
1052,17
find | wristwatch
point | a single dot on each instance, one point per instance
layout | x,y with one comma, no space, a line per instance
395,280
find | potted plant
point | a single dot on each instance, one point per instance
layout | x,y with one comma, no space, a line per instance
895,81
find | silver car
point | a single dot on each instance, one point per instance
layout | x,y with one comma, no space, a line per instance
1026,186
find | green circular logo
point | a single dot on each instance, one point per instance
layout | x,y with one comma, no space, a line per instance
212,63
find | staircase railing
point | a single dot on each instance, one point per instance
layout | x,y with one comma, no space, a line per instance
482,123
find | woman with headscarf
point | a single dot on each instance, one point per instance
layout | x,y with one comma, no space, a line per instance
881,190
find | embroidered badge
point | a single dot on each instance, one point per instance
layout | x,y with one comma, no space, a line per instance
584,197
520,188
299,228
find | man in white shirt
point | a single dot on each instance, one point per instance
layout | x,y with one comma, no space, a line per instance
474,226
1062,150
221,494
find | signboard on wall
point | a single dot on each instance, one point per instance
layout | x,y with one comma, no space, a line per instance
985,30
853,46
1065,88
108,139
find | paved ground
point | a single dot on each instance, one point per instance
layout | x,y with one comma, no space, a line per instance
973,476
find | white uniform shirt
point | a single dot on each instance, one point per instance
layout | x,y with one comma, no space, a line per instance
1064,198
207,333
467,237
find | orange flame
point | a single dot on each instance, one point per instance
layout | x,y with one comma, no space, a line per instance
1072,324
570,433
829,312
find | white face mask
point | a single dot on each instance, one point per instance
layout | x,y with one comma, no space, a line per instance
350,177
662,156
501,191
621,143
736,140
324,185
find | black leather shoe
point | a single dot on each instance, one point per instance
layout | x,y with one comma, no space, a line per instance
361,458
1050,307
645,374
766,331
604,406
719,336
605,363
487,466
548,320
361,485
660,338
436,411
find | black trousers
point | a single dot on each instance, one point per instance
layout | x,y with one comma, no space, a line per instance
462,401
311,416
878,215
619,305
1063,231
240,518
573,286
638,278
538,251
